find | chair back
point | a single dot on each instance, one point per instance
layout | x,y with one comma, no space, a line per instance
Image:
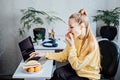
109,58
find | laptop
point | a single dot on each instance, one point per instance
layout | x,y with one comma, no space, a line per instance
26,47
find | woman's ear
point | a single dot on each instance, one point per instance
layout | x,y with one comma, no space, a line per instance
82,25
83,29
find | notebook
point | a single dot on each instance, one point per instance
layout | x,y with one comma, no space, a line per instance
26,47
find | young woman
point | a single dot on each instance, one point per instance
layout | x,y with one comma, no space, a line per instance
82,51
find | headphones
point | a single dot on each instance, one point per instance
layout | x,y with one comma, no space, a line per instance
52,42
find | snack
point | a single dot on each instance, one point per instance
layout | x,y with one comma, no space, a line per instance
37,68
32,66
68,34
30,69
32,62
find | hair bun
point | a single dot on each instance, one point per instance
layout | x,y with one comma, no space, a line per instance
83,12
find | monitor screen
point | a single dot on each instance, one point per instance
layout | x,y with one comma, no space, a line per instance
26,47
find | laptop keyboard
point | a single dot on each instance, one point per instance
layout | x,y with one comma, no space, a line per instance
34,58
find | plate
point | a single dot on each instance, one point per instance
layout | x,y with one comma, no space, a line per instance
48,44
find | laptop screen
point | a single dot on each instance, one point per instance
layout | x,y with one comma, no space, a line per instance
26,47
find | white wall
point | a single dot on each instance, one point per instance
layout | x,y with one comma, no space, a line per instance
10,22
9,37
63,8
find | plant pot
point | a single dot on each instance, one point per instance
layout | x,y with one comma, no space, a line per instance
35,43
39,42
41,31
108,32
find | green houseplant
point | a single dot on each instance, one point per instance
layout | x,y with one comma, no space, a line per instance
39,38
32,17
111,21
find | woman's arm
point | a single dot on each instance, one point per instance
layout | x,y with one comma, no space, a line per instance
78,63
58,56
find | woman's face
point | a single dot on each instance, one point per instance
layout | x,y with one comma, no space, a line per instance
74,27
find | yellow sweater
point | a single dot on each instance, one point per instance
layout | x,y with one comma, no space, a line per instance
84,65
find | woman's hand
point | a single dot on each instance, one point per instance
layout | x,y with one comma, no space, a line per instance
69,39
36,54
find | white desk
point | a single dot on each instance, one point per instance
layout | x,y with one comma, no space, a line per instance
44,73
61,45
47,67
